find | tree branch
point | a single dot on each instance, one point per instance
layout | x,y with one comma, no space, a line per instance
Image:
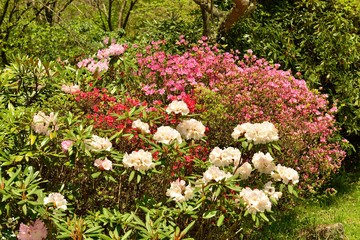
2,17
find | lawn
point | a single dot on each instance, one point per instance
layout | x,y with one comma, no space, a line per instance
343,207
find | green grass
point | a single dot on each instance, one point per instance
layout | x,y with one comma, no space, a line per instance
343,207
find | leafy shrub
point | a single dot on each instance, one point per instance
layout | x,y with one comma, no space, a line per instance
320,39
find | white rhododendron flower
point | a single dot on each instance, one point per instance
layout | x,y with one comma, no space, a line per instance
70,88
239,130
57,200
214,173
141,160
41,123
231,155
105,164
179,192
191,129
144,127
167,135
220,158
270,191
259,133
178,107
244,171
263,162
215,157
255,200
97,143
285,174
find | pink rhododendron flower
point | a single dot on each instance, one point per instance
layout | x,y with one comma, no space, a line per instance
35,231
66,144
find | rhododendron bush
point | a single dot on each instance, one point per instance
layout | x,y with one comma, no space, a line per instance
198,144
230,91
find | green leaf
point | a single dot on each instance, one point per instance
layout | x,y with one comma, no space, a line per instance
220,220
32,139
138,178
95,175
132,175
263,216
24,208
209,214
290,188
183,232
253,216
126,235
93,229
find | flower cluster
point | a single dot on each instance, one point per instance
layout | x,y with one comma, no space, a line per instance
104,164
263,162
259,133
41,123
57,200
143,127
103,55
70,88
178,107
167,135
269,190
141,160
255,200
285,174
220,158
244,171
179,192
97,143
35,231
214,173
66,144
191,129
113,50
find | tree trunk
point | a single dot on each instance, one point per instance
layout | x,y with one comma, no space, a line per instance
206,21
121,13
110,15
236,13
132,4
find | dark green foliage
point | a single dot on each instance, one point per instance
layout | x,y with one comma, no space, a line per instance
319,39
